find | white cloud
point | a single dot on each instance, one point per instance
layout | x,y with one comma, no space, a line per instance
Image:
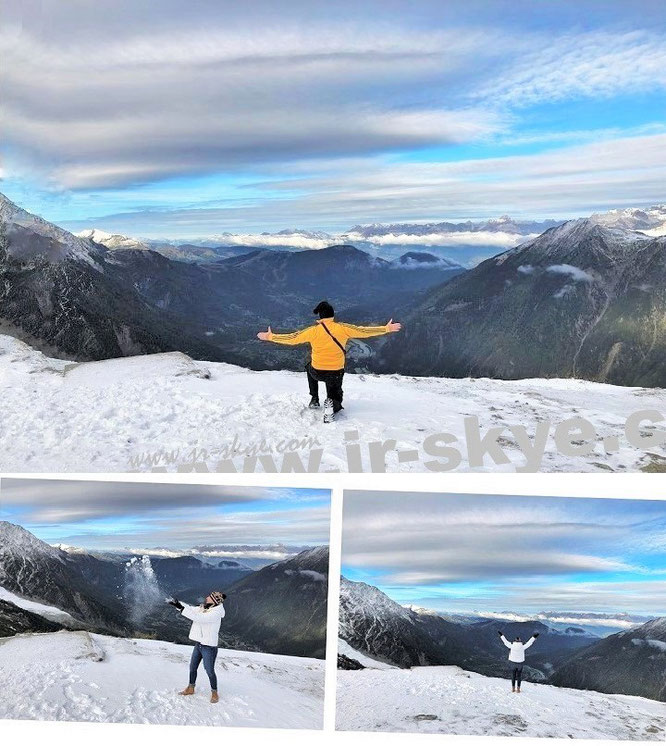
294,240
147,105
66,501
576,273
172,91
613,622
495,239
210,517
414,539
593,64
271,555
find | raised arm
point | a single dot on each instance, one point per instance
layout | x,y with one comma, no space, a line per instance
292,338
531,641
360,332
195,614
505,641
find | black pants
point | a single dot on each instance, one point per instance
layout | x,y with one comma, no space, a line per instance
333,381
517,675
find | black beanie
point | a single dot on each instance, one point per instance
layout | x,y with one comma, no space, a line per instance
324,309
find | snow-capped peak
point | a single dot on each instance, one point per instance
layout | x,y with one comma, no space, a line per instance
368,599
70,549
15,220
112,240
656,628
18,541
649,220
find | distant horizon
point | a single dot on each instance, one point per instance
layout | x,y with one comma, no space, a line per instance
562,617
263,551
467,247
294,229
613,620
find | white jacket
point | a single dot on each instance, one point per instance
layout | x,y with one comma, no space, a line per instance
205,623
517,649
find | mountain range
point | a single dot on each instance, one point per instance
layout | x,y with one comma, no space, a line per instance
631,662
467,241
582,300
585,298
628,662
280,608
74,297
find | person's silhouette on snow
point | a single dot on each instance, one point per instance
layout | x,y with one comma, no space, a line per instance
517,650
328,339
206,620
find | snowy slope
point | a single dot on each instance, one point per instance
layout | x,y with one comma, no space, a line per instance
98,416
446,699
77,676
344,648
53,613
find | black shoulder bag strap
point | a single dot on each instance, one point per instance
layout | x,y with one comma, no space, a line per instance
328,331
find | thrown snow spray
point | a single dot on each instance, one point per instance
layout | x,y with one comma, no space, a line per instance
141,589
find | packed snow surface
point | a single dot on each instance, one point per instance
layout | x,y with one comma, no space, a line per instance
166,410
78,676
446,699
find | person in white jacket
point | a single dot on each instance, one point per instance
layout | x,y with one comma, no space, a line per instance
205,629
517,650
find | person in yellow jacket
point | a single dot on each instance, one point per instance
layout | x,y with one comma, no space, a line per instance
328,339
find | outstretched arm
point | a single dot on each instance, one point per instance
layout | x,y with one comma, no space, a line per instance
531,641
194,613
292,338
505,641
360,332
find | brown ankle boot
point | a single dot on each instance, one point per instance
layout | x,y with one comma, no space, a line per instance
189,689
214,699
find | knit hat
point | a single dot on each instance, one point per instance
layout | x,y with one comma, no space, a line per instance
217,597
324,309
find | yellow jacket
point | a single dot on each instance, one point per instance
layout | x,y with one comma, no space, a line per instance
326,355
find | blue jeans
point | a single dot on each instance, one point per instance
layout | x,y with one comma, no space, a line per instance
207,654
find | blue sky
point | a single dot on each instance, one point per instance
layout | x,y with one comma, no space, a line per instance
120,515
497,554
187,120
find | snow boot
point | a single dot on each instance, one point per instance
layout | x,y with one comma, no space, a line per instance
518,690
189,689
513,690
214,699
314,403
329,414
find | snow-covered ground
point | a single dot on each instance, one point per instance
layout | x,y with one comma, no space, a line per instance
52,613
59,676
106,416
344,648
446,699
